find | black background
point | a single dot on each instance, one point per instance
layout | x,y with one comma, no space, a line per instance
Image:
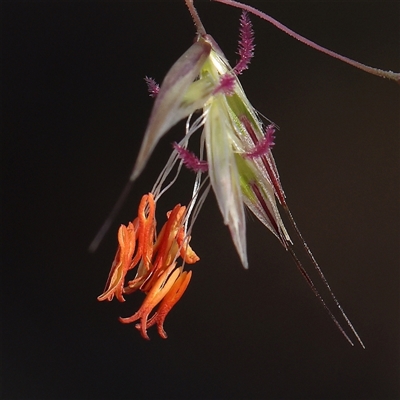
75,107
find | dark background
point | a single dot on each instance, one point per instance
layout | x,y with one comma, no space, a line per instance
74,109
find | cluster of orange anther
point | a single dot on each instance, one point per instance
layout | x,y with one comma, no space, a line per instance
155,258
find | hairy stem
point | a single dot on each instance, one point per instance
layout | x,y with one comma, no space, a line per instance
196,19
371,70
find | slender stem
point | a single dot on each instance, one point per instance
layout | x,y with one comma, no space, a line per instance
107,223
371,70
196,19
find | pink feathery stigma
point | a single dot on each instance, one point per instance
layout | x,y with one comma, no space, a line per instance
152,86
226,85
190,161
246,43
264,145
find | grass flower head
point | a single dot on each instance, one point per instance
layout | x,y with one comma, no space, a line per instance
234,159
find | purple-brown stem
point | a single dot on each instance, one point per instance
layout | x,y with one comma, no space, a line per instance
371,70
196,19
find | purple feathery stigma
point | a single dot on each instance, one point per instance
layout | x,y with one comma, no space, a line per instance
264,145
270,135
190,161
226,85
246,43
152,86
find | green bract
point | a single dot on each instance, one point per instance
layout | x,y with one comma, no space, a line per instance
231,131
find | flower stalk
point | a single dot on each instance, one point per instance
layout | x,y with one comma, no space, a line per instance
395,76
